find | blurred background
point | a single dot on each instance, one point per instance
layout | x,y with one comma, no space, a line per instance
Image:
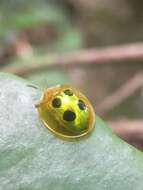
94,45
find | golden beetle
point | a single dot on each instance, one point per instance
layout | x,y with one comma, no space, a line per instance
66,112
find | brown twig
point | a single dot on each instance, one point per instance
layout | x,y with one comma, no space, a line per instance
130,52
126,90
129,130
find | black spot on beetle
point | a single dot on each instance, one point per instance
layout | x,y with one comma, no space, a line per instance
56,103
81,105
69,115
68,92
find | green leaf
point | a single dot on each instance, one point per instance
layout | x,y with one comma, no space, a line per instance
32,158
17,18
